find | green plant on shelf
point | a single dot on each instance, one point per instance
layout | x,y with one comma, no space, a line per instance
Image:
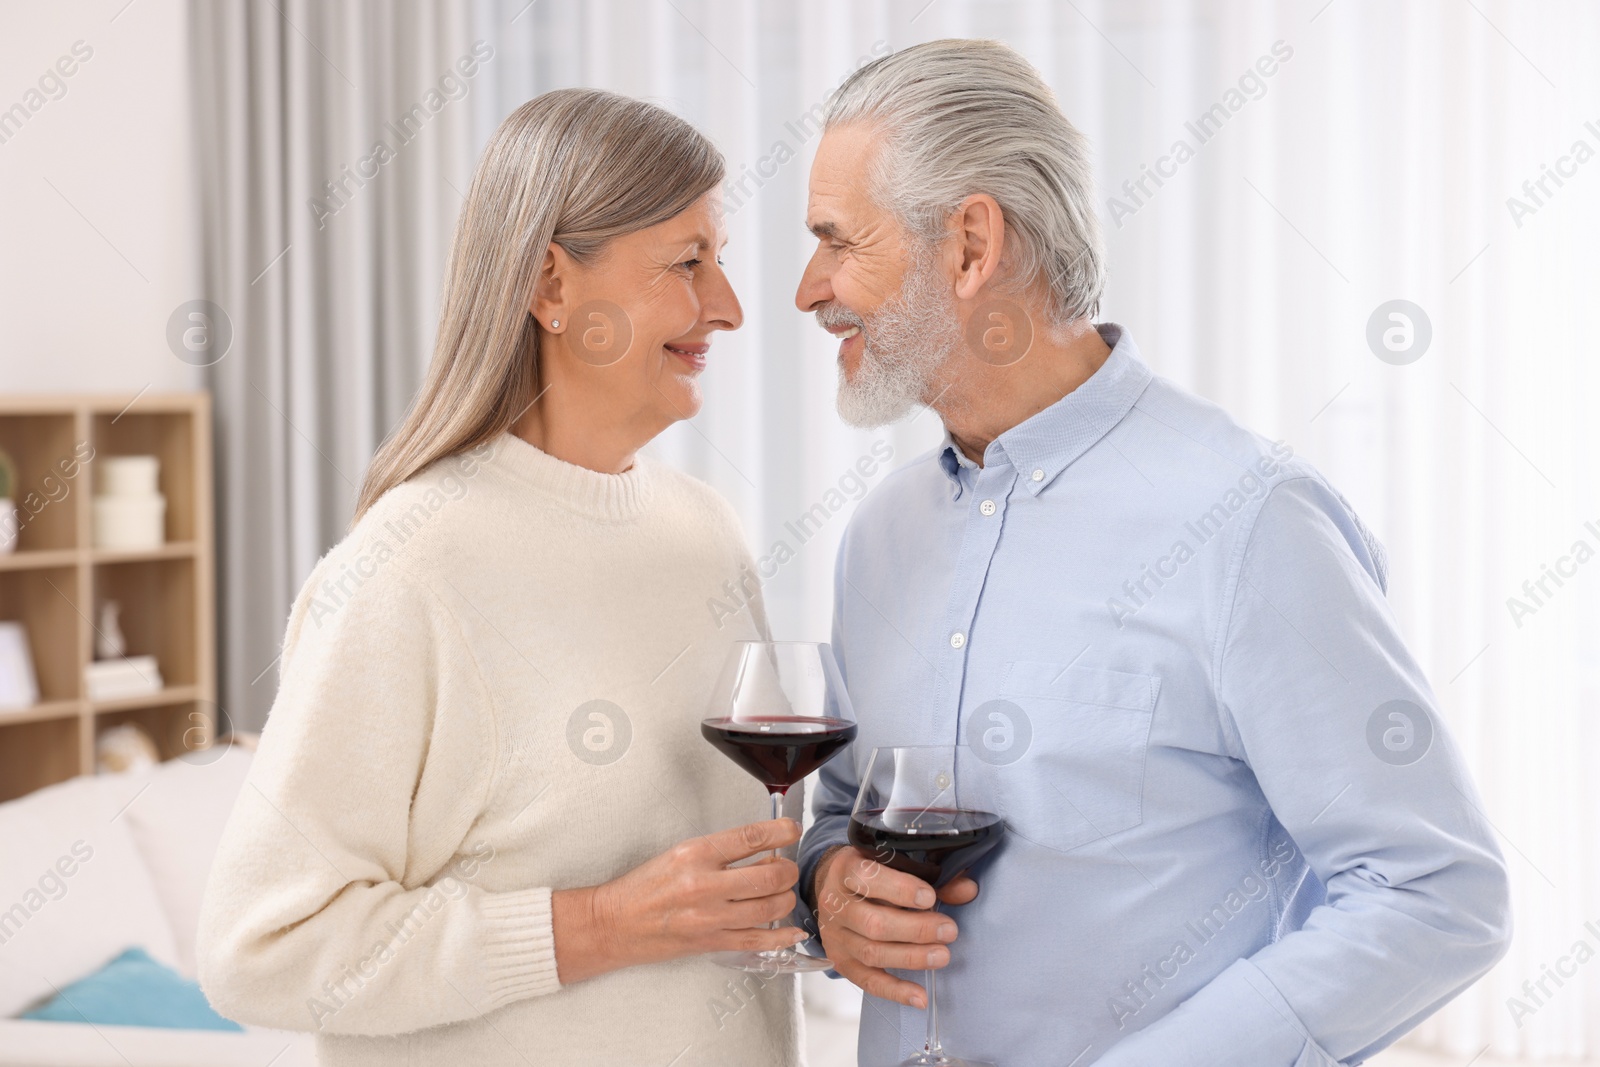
9,525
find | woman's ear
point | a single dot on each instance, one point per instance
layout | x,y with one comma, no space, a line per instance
553,295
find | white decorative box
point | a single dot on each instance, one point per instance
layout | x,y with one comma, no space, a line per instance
129,510
128,475
114,679
130,522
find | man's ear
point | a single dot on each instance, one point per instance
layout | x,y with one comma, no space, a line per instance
554,293
980,232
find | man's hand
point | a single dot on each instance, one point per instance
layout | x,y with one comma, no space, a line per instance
871,917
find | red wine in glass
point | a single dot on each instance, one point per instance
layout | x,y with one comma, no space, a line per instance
933,844
779,750
779,711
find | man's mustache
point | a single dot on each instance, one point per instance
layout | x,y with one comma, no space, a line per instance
834,316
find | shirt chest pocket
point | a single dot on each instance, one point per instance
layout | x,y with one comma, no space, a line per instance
1080,776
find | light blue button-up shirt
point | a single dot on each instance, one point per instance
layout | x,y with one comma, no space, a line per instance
1238,834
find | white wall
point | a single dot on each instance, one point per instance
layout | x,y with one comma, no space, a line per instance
91,269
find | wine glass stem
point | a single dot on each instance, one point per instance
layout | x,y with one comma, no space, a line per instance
777,813
932,1047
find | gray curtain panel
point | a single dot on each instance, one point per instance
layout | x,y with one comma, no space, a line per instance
329,134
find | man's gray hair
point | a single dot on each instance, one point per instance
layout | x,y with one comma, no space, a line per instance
960,117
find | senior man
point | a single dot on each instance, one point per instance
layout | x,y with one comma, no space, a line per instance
1238,834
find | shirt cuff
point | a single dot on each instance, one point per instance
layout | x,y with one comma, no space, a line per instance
519,954
805,911
1239,1017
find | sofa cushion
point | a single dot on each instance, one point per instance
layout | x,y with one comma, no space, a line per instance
134,990
74,890
177,823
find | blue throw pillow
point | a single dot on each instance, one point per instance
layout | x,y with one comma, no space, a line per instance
134,990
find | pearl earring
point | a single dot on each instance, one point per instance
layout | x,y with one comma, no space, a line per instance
554,323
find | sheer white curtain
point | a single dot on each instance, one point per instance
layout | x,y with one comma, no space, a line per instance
1356,152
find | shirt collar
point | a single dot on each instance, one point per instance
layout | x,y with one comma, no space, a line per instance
1045,444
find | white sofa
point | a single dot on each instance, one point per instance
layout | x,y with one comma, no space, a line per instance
96,865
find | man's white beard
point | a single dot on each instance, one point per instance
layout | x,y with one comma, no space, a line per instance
906,341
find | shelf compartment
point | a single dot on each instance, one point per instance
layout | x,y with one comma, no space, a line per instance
51,466
179,728
157,618
36,754
170,437
48,603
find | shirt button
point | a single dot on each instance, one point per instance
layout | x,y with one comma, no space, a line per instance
958,639
987,507
1038,475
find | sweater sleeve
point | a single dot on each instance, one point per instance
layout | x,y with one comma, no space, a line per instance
341,897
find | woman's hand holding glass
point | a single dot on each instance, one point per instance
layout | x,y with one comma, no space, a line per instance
685,902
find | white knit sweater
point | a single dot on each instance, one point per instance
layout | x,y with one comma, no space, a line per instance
492,689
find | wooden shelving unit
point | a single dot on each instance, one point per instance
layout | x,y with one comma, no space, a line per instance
55,581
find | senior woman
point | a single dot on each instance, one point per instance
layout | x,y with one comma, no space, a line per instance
482,827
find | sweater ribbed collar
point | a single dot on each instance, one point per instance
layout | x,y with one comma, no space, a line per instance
607,497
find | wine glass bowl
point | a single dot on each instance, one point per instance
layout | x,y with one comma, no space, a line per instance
779,711
933,844
779,750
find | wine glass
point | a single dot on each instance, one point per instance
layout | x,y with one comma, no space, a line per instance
917,812
781,711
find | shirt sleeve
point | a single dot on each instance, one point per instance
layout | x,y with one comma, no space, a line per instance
835,794
1326,706
341,899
